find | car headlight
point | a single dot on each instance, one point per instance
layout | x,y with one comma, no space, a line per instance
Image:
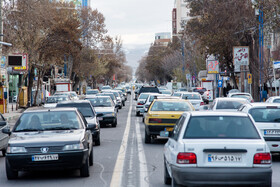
16,150
77,146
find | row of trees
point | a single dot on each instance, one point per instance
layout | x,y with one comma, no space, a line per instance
52,31
215,27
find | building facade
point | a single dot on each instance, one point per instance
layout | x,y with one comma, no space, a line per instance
162,38
180,16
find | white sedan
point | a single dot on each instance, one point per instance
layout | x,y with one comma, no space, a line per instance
216,148
227,104
194,98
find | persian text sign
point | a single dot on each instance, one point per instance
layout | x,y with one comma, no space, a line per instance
212,66
241,55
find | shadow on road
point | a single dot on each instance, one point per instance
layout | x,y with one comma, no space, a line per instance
39,175
276,157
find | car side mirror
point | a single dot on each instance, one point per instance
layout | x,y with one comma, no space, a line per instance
91,126
99,115
6,131
3,123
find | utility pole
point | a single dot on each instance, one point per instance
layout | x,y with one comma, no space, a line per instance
261,45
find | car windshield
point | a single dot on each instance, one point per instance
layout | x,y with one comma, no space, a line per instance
84,108
108,94
149,89
220,127
266,115
100,102
48,120
170,106
241,96
92,92
230,104
143,96
191,96
55,99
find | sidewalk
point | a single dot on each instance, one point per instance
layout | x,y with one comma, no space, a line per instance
14,114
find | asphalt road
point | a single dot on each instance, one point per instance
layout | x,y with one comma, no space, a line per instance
122,159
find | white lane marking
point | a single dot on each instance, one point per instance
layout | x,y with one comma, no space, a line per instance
118,170
101,173
144,179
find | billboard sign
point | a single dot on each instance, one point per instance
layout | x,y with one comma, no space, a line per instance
212,66
19,62
241,55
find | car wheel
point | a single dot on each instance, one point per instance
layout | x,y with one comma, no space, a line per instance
84,171
137,113
120,107
123,103
97,142
10,173
91,158
143,120
147,138
3,152
167,178
115,124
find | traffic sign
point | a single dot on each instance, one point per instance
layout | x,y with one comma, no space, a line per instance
220,83
249,78
276,64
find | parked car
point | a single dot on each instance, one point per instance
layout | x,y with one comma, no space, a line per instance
242,95
227,104
105,109
88,113
162,115
49,139
274,99
267,119
216,148
4,138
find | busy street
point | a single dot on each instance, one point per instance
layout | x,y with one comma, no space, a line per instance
122,159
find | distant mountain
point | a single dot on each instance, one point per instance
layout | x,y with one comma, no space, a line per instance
134,53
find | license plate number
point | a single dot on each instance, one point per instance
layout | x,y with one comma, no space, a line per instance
169,128
224,158
100,119
44,157
271,132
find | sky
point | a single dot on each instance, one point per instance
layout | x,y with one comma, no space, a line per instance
136,21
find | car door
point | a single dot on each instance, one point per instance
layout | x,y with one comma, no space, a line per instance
172,144
4,138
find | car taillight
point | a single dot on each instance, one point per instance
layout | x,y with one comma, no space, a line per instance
186,158
202,103
155,120
139,103
262,158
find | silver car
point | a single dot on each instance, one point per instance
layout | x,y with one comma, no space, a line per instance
4,138
228,104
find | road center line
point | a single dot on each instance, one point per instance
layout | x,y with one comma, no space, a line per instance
119,166
144,179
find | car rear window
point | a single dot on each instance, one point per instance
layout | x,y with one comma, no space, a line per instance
276,101
170,106
229,104
92,92
199,90
220,127
100,102
266,115
84,108
149,89
143,96
241,96
191,96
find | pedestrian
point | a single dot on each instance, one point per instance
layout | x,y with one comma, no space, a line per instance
264,95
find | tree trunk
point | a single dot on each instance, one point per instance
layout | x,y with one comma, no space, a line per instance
30,84
38,86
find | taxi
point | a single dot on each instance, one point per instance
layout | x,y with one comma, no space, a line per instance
163,114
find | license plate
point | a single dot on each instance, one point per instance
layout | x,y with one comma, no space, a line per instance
169,128
44,157
100,119
224,158
272,132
